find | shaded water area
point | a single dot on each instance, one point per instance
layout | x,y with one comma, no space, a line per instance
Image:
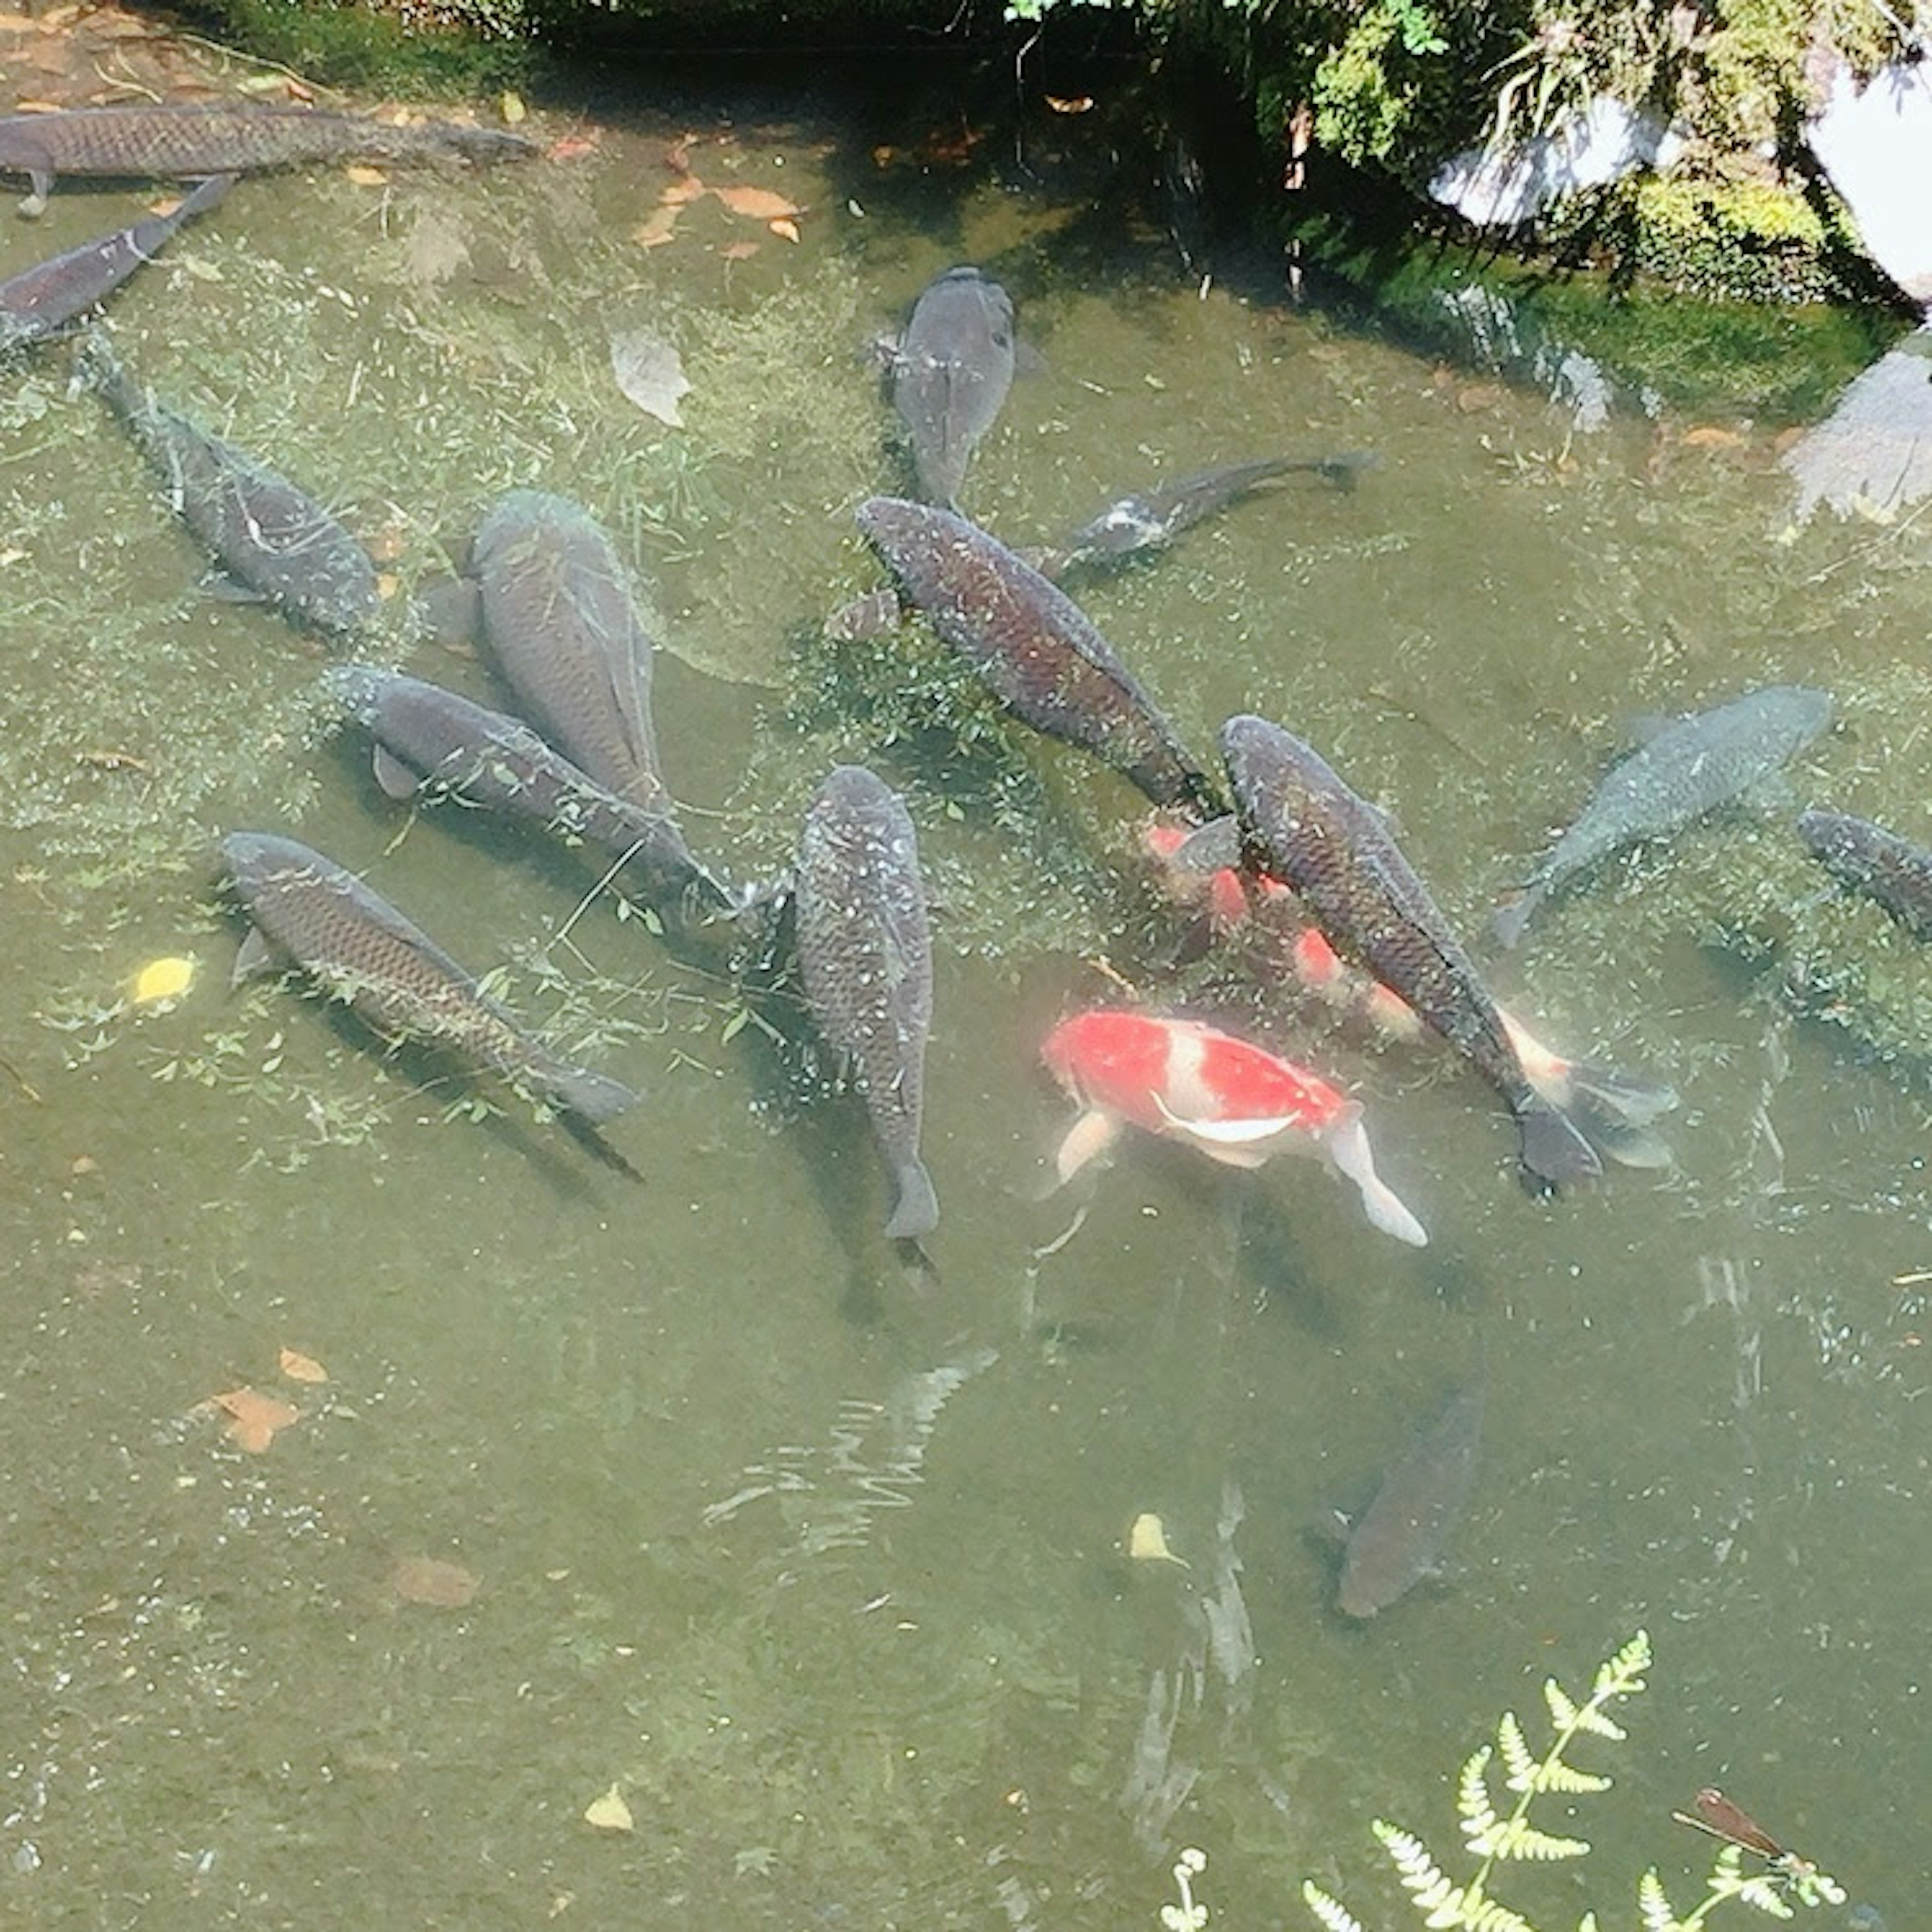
828,1582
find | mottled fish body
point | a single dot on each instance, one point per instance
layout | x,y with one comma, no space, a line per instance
1302,826
429,738
1691,766
307,911
950,373
1146,519
865,950
266,533
1891,871
40,301
1398,1539
562,626
214,137
1032,645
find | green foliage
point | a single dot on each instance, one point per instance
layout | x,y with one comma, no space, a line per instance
444,48
1494,1839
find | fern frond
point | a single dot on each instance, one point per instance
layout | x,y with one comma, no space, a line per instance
1415,1865
1333,1916
1484,1914
1477,1814
1588,1923
1764,1893
1622,1676
1555,1775
1563,1712
1659,1915
1518,1759
1520,1839
1570,1717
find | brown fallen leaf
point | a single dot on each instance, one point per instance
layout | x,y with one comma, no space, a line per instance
690,188
300,1368
363,176
1709,436
656,228
757,204
740,251
572,148
785,230
254,1420
430,1580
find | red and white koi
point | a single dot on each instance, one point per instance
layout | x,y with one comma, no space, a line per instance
1234,1101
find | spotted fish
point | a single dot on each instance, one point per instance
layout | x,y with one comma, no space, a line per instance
950,374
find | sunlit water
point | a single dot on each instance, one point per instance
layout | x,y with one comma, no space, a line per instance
829,1582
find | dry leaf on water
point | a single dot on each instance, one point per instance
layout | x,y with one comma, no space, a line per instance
656,228
254,1420
679,192
759,204
650,373
363,176
572,148
786,230
740,251
430,1580
609,1813
300,1368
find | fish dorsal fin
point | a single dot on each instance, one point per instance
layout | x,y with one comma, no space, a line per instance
255,958
395,778
1227,1133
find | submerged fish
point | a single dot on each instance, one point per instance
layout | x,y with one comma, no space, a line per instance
1691,766
950,375
1149,518
306,909
1891,871
426,737
269,536
1302,826
214,137
1032,644
39,300
1399,1538
1236,1102
865,949
560,622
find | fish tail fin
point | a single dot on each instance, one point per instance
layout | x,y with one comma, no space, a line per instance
1507,921
1349,1150
917,1210
98,367
1556,1150
1614,1111
208,194
1343,468
594,1097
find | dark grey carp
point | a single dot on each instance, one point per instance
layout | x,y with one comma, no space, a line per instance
1302,826
215,137
265,532
950,375
1032,644
427,738
1891,871
1147,519
1399,1538
1691,766
864,950
561,625
41,300
307,911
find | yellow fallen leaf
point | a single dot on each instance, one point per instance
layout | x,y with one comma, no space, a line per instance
255,1420
786,230
610,1813
387,584
363,176
760,204
300,1368
1147,1541
511,106
429,1579
160,980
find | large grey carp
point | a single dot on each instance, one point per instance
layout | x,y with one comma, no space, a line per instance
950,375
306,909
1691,766
1032,644
1891,871
1397,1539
267,533
219,137
40,301
1302,826
1147,519
429,738
864,950
561,625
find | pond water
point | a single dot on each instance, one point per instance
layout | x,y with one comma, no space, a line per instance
826,1581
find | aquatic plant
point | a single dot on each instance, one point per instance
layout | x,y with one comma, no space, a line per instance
1496,1841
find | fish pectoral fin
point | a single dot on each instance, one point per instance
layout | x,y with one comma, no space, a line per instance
1228,1133
255,958
1213,847
1349,1153
394,778
1088,1138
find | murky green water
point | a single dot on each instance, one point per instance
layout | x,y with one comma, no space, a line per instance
827,1581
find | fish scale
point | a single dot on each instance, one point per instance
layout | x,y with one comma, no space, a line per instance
865,950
